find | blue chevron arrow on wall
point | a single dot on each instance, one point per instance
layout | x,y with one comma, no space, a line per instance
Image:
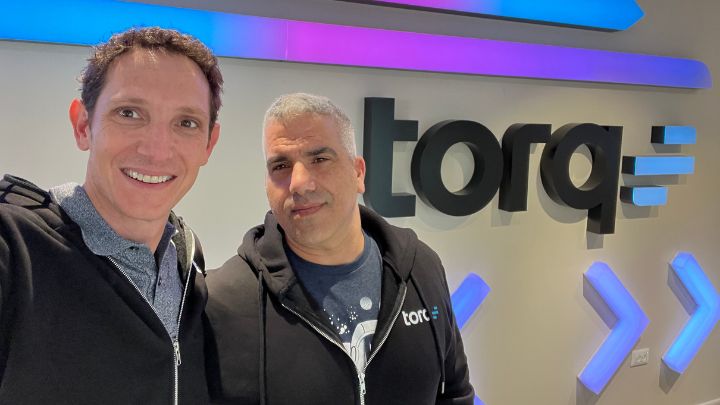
705,315
630,322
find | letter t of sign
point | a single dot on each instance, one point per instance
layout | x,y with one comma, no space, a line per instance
381,131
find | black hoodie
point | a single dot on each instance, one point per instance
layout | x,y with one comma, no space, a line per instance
268,345
73,328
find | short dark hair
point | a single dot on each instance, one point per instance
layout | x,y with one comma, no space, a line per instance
153,38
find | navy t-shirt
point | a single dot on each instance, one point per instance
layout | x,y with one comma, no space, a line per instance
348,295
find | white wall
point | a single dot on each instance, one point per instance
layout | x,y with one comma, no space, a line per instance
535,331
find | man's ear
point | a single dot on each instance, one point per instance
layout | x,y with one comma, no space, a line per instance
212,141
360,173
80,120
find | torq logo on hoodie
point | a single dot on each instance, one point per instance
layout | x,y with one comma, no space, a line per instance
419,316
505,168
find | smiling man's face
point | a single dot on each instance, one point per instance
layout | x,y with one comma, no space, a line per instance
148,136
312,182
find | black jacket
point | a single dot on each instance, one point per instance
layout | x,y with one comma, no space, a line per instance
268,345
73,328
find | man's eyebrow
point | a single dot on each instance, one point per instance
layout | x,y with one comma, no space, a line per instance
189,110
193,110
275,159
311,153
129,100
321,150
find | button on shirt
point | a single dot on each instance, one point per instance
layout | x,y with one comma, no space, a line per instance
160,285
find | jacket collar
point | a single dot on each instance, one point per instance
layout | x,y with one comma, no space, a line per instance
263,248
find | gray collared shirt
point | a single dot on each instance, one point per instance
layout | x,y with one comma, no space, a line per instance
160,285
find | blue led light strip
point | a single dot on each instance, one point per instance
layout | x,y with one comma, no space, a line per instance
466,300
704,318
644,196
674,135
630,324
88,22
468,297
658,165
609,15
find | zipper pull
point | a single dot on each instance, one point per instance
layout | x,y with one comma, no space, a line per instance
176,346
442,387
361,377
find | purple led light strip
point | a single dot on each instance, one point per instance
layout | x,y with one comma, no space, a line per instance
355,46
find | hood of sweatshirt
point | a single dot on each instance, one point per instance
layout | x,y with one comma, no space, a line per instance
262,247
23,193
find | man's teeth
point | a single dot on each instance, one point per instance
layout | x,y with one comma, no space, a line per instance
145,178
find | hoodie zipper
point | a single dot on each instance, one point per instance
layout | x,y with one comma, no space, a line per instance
177,360
360,373
380,344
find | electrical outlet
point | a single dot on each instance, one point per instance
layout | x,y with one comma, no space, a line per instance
639,357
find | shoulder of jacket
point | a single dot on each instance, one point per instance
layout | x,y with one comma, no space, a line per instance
21,200
40,218
233,293
429,270
427,258
235,274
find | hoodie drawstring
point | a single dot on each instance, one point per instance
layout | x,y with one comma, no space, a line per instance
261,326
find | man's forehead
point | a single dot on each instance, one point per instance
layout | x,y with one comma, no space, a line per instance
134,59
304,128
285,145
140,60
131,71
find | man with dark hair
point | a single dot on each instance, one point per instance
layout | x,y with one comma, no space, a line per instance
101,285
327,303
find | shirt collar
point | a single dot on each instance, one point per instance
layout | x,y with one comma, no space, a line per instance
99,237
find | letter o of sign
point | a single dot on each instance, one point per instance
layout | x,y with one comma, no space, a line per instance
427,161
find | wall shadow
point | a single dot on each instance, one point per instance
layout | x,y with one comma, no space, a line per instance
668,378
584,396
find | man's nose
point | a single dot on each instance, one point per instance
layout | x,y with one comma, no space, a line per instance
301,180
157,144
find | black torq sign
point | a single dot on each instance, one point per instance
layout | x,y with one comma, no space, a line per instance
496,168
427,161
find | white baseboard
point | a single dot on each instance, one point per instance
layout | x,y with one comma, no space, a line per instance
713,402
